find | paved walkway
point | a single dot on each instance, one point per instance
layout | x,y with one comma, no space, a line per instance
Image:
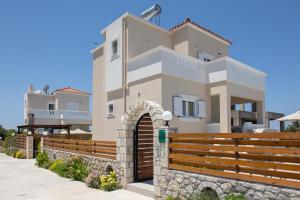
21,179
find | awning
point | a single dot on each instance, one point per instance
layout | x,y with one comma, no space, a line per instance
292,117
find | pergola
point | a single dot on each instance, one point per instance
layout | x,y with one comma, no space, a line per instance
33,127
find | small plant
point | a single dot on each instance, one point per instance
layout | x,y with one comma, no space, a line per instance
235,197
8,144
205,194
109,182
54,166
20,155
42,160
78,169
61,168
92,180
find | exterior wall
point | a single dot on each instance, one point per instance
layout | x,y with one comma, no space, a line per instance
172,86
93,163
180,41
39,101
113,74
199,41
142,37
182,184
104,128
64,98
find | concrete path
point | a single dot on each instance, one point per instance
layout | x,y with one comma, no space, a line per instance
21,179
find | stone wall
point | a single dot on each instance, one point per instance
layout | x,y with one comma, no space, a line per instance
93,163
182,184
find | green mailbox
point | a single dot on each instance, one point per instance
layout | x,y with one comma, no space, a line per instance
162,136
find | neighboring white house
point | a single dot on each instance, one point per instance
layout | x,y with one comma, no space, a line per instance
66,106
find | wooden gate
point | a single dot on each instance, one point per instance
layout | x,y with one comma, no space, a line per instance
143,149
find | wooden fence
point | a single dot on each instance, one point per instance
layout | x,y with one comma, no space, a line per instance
71,136
20,141
103,149
270,158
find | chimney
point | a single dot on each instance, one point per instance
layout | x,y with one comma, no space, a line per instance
30,89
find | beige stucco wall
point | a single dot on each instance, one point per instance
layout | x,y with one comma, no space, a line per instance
180,41
63,99
39,101
172,86
199,41
142,37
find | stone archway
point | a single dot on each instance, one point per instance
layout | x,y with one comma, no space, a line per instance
125,146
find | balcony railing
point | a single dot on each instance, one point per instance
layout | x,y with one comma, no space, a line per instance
162,60
61,114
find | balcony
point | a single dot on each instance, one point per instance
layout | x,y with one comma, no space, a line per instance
229,69
64,116
162,60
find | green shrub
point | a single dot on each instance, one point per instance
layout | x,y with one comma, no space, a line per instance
78,169
54,166
62,169
235,197
42,160
8,144
109,182
20,155
205,194
92,180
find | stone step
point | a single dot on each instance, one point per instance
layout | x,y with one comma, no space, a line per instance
144,188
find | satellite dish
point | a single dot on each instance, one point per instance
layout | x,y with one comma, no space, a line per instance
46,89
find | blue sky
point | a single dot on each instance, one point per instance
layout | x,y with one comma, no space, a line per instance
49,42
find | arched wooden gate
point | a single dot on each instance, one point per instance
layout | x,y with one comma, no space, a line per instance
143,149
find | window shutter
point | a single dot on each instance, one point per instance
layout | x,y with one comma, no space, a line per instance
177,106
200,109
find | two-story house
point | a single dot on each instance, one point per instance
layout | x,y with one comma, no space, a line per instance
185,69
66,106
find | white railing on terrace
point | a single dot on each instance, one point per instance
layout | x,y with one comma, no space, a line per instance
60,114
229,69
167,61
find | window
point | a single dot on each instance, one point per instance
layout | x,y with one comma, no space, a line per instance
114,49
72,106
205,57
187,106
110,110
51,106
191,109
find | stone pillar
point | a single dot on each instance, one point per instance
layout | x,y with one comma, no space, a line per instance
125,154
42,144
161,160
29,146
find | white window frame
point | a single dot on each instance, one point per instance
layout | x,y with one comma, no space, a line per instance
185,99
48,103
114,55
111,114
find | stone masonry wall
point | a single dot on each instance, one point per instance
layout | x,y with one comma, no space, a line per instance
178,183
93,163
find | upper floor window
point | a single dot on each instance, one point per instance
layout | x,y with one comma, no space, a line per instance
72,106
51,106
205,57
110,110
114,49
